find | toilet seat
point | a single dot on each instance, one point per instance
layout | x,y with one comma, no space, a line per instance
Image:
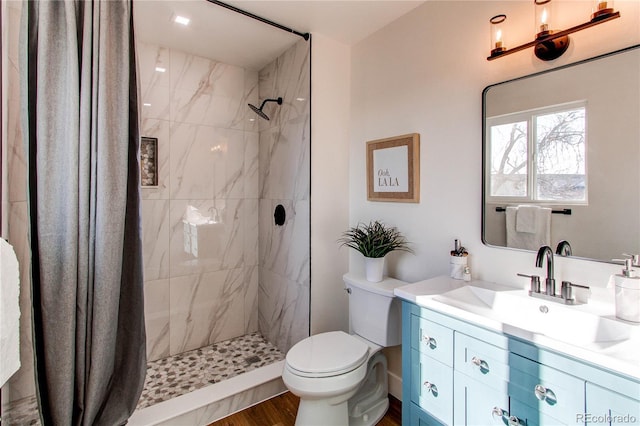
326,354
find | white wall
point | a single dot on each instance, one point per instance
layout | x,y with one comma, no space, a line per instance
330,86
406,80
425,73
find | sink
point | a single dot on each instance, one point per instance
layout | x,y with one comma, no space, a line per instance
515,308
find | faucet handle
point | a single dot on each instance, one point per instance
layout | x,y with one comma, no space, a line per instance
535,282
566,291
635,258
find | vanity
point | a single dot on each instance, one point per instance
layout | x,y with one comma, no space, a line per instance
480,353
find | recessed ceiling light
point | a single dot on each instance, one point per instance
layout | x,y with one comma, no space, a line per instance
182,20
161,69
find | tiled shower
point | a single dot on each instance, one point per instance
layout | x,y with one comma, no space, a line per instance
231,272
216,265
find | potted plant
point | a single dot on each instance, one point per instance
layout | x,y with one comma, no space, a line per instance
374,240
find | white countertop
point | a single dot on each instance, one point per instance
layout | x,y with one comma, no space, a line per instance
622,355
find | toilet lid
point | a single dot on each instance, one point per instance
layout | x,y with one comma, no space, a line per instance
327,354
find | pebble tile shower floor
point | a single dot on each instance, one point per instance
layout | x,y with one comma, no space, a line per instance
183,373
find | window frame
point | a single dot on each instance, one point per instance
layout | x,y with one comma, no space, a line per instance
529,117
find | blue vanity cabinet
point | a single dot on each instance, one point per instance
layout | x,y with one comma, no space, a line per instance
457,373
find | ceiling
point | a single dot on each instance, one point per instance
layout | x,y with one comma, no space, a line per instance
218,33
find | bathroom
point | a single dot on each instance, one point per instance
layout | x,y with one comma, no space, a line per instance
402,79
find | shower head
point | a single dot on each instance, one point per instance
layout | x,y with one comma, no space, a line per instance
259,110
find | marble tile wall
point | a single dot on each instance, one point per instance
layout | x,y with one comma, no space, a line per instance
285,167
200,224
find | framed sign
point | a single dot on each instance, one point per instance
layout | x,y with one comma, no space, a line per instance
393,169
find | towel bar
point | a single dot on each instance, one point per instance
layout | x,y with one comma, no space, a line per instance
559,211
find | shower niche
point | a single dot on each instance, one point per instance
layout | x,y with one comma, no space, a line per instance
148,161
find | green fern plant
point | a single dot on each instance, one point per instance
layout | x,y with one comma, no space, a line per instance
374,239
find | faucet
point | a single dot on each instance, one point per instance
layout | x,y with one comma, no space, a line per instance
550,282
566,295
563,248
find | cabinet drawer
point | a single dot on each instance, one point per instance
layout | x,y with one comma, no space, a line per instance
486,363
546,390
524,415
432,386
475,404
432,339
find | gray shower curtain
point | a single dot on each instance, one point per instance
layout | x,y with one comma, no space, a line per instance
82,134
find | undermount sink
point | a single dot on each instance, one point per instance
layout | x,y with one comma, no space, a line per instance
514,308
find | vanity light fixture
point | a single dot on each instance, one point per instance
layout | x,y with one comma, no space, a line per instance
548,44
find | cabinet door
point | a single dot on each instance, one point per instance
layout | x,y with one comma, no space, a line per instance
432,386
418,417
605,407
475,403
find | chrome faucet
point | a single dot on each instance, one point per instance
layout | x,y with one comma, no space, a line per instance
566,295
550,282
563,248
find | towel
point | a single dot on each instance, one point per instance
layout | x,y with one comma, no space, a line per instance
541,235
9,312
527,219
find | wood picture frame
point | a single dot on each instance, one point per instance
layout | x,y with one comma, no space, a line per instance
393,169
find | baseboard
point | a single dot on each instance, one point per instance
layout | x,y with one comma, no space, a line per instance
395,385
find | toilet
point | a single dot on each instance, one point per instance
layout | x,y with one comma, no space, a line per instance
340,378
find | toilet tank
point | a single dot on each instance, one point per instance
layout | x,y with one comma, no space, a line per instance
374,312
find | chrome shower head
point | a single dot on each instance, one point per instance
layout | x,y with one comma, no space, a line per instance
259,110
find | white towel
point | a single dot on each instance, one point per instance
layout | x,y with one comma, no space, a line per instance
527,219
528,240
9,312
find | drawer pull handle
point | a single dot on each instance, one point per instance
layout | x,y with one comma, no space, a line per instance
431,388
499,412
482,364
544,394
514,421
430,341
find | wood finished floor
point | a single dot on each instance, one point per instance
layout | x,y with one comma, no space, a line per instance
281,411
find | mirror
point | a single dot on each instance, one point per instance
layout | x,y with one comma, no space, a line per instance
567,142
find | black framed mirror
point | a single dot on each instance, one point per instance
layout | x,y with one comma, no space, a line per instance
561,158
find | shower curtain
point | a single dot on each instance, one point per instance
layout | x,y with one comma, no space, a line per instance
81,128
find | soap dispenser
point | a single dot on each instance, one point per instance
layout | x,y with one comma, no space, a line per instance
627,287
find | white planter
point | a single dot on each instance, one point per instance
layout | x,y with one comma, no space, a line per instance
374,268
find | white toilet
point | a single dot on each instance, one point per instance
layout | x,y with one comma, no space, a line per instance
341,378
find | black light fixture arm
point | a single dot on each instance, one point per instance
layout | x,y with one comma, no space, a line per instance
259,18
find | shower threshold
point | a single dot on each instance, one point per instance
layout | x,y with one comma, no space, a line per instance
209,383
